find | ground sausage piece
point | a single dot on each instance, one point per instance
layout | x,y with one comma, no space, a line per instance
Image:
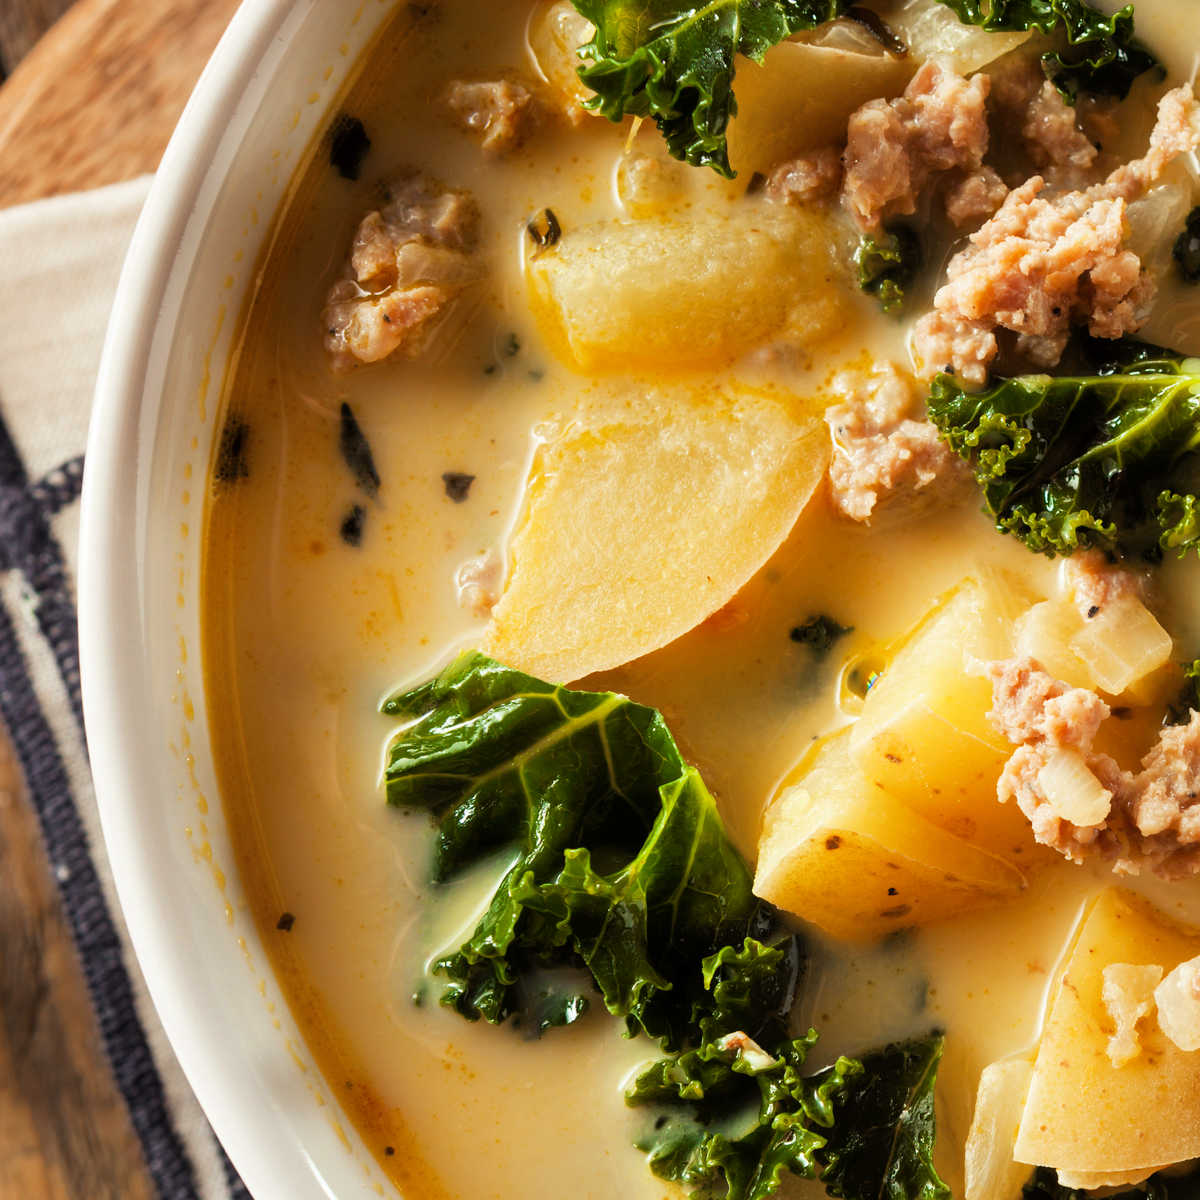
408,262
500,112
1154,816
894,147
879,450
813,176
975,197
1059,148
1042,264
1052,138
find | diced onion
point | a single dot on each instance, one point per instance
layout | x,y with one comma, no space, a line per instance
1072,791
1122,644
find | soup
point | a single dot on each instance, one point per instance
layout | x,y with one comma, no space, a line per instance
522,429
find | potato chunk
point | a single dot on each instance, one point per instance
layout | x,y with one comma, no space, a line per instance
1083,1114
840,852
801,97
645,514
991,1171
661,294
924,731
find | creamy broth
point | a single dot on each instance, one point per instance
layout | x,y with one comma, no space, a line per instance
305,635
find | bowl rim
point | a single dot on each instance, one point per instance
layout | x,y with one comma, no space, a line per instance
113,656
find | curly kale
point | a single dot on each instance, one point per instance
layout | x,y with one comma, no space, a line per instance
1102,54
887,265
1105,460
674,61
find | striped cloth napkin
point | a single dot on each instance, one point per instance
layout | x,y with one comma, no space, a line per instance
59,262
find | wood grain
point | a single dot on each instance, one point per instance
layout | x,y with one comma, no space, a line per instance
96,100
22,22
93,103
64,1132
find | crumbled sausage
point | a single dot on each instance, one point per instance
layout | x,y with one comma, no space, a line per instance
894,147
478,583
1052,133
1153,820
975,197
648,184
1059,148
408,262
807,178
500,112
1042,264
879,450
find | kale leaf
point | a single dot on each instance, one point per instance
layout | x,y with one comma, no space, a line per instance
880,1146
673,60
623,866
887,265
1102,56
730,1119
1044,1185
1104,460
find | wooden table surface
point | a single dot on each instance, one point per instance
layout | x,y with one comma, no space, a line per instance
90,102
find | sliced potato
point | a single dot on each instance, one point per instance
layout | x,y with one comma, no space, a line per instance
840,852
1082,1113
644,515
662,294
992,1173
924,730
801,97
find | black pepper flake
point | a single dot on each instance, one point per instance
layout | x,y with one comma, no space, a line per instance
232,463
348,146
389,1150
893,892
356,453
511,347
457,484
351,528
544,228
1095,608
285,922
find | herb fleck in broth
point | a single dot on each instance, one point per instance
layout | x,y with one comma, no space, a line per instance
344,511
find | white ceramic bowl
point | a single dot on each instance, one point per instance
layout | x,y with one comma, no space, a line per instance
269,91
